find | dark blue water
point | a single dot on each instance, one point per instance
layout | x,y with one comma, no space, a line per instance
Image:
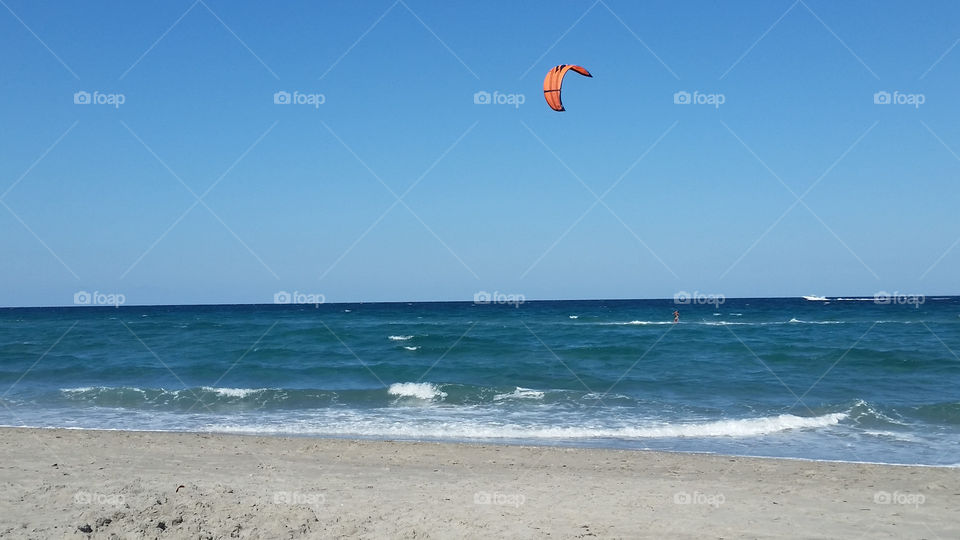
840,380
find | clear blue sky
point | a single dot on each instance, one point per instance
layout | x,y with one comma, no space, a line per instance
92,197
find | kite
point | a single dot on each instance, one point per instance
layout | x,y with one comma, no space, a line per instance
553,80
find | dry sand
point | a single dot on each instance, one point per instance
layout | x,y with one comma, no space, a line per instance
59,483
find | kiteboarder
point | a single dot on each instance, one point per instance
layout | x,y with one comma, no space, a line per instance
676,316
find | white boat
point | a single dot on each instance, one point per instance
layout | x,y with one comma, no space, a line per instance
815,298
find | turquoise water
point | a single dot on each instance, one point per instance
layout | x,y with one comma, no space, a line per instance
843,380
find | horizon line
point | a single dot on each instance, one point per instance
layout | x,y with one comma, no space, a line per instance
474,302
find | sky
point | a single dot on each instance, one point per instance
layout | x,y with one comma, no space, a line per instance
744,149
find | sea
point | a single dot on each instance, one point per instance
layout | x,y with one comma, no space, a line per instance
842,379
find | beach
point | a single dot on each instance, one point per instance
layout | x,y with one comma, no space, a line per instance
76,483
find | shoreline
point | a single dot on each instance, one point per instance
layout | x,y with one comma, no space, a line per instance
136,484
481,443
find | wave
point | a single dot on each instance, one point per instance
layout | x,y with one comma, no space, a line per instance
748,427
409,348
452,397
893,436
84,389
239,400
399,338
637,323
424,391
160,398
233,392
520,393
719,323
798,321
939,413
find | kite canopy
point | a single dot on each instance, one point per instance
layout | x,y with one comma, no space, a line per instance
553,80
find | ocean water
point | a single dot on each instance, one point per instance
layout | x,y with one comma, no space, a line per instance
845,380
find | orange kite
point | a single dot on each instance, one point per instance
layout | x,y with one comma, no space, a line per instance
552,82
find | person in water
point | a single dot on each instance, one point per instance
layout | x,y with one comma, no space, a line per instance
676,316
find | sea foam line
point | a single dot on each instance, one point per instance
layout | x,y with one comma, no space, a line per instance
424,391
748,427
520,393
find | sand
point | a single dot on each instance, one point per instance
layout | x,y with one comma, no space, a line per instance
106,484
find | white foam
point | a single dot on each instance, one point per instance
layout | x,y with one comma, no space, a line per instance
574,316
749,427
79,390
82,389
902,437
416,390
409,348
232,392
400,338
520,393
639,323
795,320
